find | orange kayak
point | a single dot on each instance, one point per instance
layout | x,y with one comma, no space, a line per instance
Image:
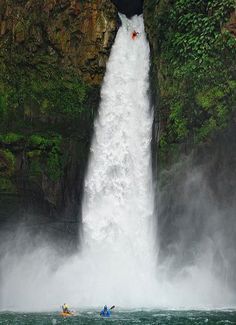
66,314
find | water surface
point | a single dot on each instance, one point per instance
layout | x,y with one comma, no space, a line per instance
89,317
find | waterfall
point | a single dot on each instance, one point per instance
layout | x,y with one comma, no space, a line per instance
116,263
118,199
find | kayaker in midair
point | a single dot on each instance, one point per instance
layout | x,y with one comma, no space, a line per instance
134,34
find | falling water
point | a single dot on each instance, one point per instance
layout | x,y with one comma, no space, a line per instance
118,199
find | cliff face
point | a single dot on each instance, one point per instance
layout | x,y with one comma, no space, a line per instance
53,57
75,34
193,49
193,70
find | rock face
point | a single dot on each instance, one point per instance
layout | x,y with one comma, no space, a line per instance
193,72
193,104
53,56
77,34
231,24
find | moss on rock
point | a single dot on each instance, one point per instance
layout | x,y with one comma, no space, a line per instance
193,69
52,60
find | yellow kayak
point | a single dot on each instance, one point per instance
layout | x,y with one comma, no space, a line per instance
66,314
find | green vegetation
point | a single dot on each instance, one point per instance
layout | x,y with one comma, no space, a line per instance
6,185
10,138
42,108
7,162
195,62
7,169
45,157
40,97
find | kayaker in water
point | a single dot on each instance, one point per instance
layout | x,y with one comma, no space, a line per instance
105,312
65,309
134,35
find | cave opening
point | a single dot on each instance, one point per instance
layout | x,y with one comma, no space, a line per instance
129,7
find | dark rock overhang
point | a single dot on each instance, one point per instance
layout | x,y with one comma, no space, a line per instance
129,7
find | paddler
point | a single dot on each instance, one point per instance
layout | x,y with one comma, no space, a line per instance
65,309
105,312
134,35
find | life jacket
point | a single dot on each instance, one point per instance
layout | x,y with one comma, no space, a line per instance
65,308
105,313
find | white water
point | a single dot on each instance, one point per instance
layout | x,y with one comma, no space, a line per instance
117,264
118,200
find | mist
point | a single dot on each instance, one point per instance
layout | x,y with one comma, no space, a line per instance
195,267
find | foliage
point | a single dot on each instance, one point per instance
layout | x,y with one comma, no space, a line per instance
10,138
36,98
195,59
54,165
42,106
45,156
6,185
7,162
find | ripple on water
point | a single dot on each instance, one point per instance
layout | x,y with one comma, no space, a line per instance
123,318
